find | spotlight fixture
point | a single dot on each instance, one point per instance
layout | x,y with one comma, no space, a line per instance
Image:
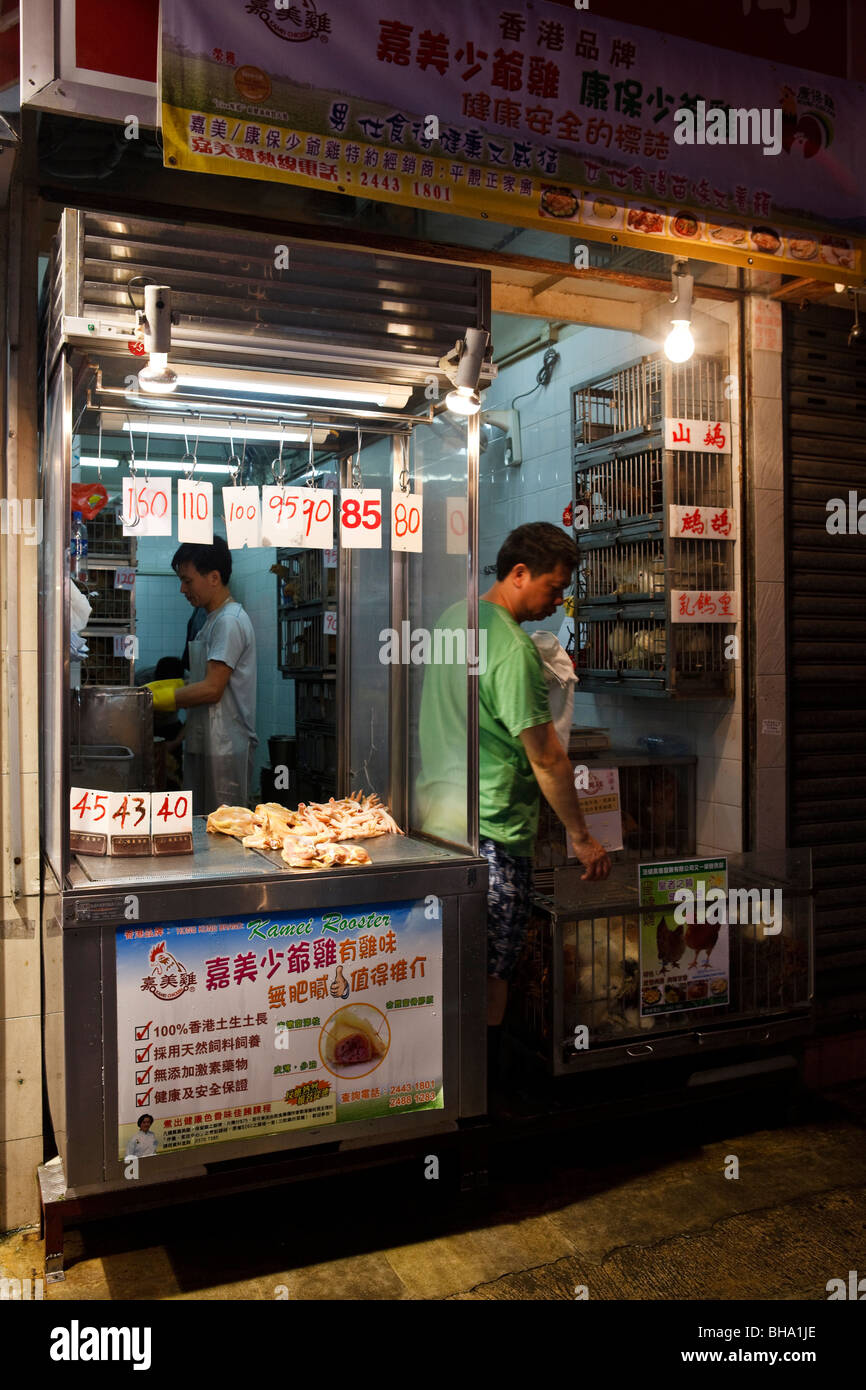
679,344
857,334
157,378
463,366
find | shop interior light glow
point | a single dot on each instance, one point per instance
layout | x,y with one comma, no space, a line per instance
157,378
463,365
197,427
463,401
91,461
680,344
297,387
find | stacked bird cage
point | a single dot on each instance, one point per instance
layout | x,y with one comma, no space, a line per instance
637,548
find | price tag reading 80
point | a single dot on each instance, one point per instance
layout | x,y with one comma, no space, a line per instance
195,511
171,813
150,501
298,516
406,518
243,513
361,518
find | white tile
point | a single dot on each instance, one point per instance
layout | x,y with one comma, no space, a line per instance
729,828
728,788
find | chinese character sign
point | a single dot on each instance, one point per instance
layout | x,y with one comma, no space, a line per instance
704,606
700,436
684,964
548,116
233,1029
703,523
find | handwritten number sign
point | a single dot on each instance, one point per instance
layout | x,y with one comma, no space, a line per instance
298,516
150,501
406,520
129,823
195,511
361,518
456,526
124,579
243,513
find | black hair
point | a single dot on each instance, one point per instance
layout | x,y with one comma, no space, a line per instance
539,546
144,1117
167,668
205,558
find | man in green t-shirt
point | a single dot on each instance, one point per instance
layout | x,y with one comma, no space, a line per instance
520,755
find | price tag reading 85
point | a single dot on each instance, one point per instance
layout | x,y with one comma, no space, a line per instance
406,518
171,813
150,501
361,518
243,513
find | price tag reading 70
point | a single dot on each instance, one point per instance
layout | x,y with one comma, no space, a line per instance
298,516
361,518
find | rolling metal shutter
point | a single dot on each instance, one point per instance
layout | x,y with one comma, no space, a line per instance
825,385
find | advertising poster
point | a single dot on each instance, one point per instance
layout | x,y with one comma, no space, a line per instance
236,1028
600,804
684,965
545,117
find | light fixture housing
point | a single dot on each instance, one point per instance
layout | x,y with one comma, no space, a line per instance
198,427
463,366
261,383
157,378
680,344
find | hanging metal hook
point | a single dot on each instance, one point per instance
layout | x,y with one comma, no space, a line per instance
235,463
189,458
279,478
311,465
356,466
127,521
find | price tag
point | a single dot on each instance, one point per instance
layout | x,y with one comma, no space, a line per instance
150,501
298,516
124,579
457,526
171,822
406,517
243,513
330,621
330,559
195,511
126,645
361,518
128,823
88,820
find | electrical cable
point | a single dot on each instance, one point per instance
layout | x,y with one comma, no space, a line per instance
543,375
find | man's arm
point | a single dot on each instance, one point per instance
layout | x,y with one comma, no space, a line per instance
554,775
206,692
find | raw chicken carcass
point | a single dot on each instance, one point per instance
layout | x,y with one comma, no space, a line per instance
232,820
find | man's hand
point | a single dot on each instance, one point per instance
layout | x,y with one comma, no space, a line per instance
593,857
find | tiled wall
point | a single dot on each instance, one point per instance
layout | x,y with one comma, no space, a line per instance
538,491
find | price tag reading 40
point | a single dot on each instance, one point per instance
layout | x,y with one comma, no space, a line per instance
243,514
361,518
406,517
88,820
195,511
129,823
150,501
298,516
171,822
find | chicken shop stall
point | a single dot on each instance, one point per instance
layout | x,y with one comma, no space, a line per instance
282,976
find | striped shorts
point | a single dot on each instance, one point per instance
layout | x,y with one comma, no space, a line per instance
509,898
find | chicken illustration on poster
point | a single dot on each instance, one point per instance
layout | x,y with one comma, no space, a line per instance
685,956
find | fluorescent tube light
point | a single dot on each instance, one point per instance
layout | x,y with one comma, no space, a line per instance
200,429
301,387
91,461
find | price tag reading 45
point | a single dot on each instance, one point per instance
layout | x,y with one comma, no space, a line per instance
150,502
361,518
406,517
298,516
88,820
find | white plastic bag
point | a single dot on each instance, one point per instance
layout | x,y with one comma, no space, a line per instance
561,680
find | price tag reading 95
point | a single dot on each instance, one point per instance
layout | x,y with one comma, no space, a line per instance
195,511
361,518
243,513
150,501
128,823
88,820
298,516
406,517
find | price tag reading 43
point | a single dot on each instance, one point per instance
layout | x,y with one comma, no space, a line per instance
243,514
150,502
195,511
361,518
406,518
129,823
298,516
171,822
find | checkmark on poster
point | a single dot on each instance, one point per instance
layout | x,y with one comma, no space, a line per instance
142,1054
141,1097
142,1077
142,1031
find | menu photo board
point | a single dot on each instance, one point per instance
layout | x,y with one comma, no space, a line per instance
684,964
236,1028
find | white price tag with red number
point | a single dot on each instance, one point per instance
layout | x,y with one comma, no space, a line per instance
88,811
457,526
126,645
298,516
330,559
243,512
128,814
361,518
149,499
330,621
124,579
406,517
195,511
171,813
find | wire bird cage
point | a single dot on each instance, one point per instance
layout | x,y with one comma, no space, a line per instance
625,484
105,539
309,578
581,967
315,701
108,604
102,666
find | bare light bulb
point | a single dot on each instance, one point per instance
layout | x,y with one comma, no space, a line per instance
679,344
463,401
157,378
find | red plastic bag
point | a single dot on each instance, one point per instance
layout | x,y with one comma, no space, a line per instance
88,498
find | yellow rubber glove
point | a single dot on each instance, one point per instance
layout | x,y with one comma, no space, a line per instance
163,693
